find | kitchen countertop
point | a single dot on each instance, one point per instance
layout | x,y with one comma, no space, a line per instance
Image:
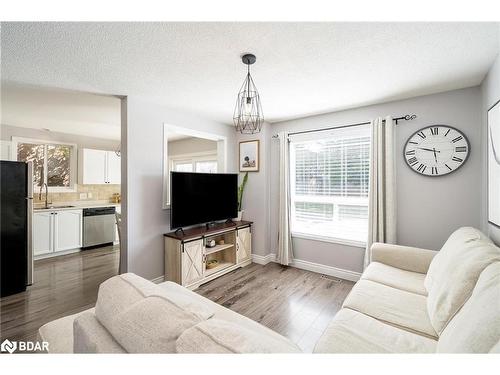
74,206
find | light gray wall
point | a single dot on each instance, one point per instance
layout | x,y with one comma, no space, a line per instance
146,220
256,197
429,209
190,146
491,94
7,132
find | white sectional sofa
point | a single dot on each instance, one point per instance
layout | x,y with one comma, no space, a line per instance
408,300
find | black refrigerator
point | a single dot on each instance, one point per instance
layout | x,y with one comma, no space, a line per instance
16,213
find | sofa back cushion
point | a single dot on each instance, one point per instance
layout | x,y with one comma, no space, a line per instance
220,336
454,271
476,327
144,318
151,325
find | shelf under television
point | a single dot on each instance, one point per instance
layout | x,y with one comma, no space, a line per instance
217,248
220,267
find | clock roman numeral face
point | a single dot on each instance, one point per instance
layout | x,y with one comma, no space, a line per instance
436,150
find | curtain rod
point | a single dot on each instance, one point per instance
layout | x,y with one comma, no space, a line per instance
401,118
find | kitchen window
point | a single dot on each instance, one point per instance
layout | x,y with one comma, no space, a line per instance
54,163
329,174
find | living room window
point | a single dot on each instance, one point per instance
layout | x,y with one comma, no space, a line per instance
329,174
54,163
200,164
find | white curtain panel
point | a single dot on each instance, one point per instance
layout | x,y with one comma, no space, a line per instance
382,191
285,253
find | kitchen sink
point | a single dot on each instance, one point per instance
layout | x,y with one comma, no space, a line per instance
53,207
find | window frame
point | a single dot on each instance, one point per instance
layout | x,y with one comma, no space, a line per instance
73,162
193,158
296,197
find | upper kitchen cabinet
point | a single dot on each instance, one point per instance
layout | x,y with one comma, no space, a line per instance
5,147
114,168
99,167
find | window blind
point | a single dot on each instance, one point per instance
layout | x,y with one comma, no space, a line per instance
329,183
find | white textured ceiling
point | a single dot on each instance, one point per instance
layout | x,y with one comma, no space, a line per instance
59,110
301,69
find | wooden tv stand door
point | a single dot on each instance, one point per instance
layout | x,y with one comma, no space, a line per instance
187,258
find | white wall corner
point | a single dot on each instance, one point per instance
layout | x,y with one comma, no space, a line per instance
263,259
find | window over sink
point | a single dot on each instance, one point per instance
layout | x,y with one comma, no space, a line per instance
54,163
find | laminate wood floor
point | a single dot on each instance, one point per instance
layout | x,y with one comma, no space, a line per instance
63,285
295,303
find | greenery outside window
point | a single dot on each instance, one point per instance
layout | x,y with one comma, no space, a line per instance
54,163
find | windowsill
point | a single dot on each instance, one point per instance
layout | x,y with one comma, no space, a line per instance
339,241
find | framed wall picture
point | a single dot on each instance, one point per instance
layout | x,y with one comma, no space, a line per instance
249,156
494,164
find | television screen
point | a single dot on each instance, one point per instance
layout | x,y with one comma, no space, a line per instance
197,198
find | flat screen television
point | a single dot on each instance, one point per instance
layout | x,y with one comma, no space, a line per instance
197,198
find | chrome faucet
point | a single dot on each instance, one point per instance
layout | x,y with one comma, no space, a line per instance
46,194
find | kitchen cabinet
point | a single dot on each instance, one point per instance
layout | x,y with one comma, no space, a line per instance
98,167
114,168
5,150
42,233
55,231
67,230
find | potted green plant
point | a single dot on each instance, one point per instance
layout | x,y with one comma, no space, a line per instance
241,189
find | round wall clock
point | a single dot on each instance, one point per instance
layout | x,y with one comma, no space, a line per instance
436,150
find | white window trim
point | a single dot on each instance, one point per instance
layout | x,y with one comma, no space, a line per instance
73,161
340,241
293,197
193,158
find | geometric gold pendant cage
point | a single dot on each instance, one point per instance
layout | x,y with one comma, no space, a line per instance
248,117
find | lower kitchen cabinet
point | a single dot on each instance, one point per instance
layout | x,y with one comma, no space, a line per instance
42,233
55,231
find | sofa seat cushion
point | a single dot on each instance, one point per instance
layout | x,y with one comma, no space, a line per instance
454,271
353,332
91,337
221,336
397,307
476,326
395,277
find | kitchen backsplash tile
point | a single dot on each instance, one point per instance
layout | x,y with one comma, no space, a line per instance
98,192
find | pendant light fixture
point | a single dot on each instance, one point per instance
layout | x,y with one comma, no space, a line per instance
248,117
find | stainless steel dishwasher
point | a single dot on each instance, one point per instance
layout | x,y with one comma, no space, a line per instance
98,226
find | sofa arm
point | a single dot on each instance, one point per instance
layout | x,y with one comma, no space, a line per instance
404,257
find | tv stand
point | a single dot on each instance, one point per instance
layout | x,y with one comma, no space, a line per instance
189,262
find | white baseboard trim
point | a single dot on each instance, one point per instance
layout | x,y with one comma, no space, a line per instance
297,263
158,279
310,266
326,270
263,259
